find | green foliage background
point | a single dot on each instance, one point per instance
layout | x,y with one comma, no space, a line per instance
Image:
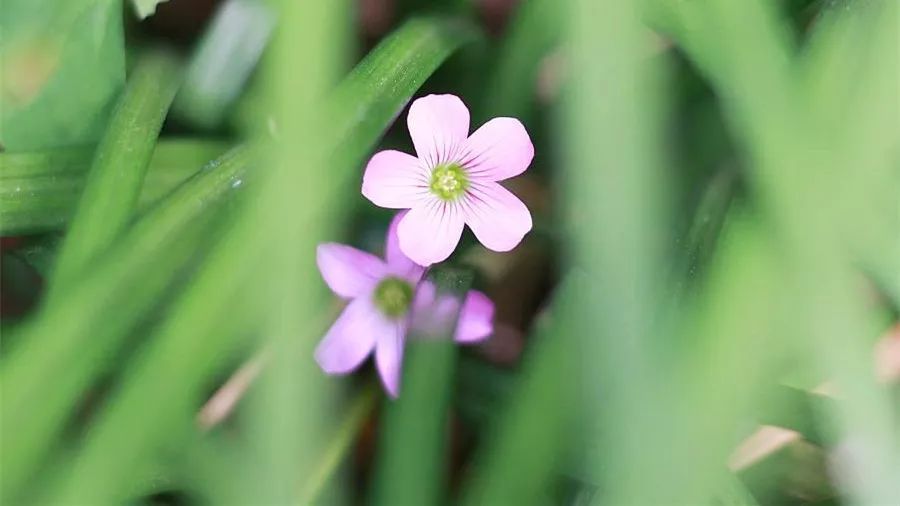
723,219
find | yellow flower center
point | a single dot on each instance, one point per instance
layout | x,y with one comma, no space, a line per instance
393,297
449,181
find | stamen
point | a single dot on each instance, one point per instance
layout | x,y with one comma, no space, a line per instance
393,296
449,181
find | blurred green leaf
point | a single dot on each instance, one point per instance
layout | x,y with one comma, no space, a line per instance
383,82
734,493
223,61
616,196
848,84
791,143
703,233
114,181
363,103
39,189
411,465
40,253
523,451
340,443
512,87
63,63
77,336
797,410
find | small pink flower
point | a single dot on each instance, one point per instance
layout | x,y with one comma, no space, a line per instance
380,295
453,181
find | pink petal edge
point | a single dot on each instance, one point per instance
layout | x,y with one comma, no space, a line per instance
429,233
438,126
349,340
476,318
497,217
395,180
348,271
398,263
499,150
389,358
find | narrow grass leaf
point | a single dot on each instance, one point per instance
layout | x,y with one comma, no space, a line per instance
112,448
40,189
76,337
120,163
411,465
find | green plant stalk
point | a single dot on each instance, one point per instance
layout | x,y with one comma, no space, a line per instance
741,300
74,337
785,142
848,85
383,82
120,163
212,464
734,493
28,164
523,451
706,225
509,471
512,87
615,184
176,346
411,463
339,444
288,417
797,410
39,190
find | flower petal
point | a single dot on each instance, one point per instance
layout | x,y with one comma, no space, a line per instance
476,318
438,125
398,263
499,150
433,313
497,217
389,357
395,180
351,338
429,233
348,271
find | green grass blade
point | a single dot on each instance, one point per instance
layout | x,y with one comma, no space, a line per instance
616,187
340,443
521,455
287,419
411,465
63,66
40,189
848,84
223,61
390,75
75,337
120,163
702,235
363,103
512,87
785,136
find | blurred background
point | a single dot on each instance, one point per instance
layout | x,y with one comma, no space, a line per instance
705,312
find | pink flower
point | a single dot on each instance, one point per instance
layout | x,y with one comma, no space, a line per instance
453,181
380,295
